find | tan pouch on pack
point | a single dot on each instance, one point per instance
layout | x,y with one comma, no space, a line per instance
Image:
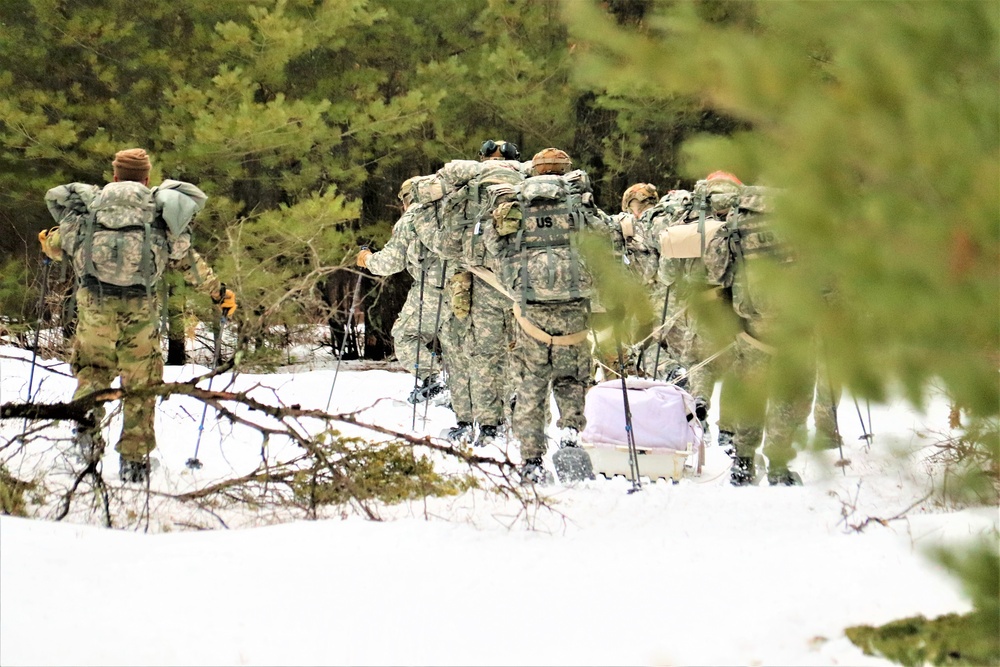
628,226
684,241
460,286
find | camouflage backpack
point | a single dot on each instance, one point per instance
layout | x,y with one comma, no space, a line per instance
123,234
541,262
469,201
120,240
740,253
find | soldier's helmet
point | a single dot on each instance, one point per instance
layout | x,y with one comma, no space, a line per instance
551,161
406,191
497,149
641,192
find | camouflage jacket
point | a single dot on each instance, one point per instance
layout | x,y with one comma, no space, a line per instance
406,249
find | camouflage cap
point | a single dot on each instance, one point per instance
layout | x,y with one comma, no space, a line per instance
131,164
641,192
551,161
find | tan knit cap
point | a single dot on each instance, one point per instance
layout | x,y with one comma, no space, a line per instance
131,164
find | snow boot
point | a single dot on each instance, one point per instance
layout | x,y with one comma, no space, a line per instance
428,388
488,433
783,477
743,472
133,472
532,471
89,445
726,442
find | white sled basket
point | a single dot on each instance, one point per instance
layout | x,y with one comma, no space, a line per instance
665,429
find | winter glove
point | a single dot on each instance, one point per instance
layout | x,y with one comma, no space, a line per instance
49,238
226,302
363,257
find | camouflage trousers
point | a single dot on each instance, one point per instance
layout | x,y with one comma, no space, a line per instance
487,347
672,346
767,398
452,335
119,336
416,328
825,410
540,369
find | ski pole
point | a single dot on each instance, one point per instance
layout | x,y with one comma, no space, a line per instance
663,318
866,434
347,328
633,454
46,263
193,462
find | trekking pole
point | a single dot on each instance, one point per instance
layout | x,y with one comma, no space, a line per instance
193,463
633,454
663,318
437,325
866,433
420,344
347,328
46,263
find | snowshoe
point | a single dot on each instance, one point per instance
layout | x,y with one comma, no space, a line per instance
460,434
783,477
573,464
428,388
134,472
532,471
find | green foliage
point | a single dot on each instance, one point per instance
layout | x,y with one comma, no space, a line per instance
16,296
12,493
363,471
879,121
970,639
621,295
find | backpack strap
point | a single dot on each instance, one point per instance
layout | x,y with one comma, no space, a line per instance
146,261
543,337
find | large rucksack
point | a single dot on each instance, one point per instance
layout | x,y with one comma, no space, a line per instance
120,241
468,202
123,235
542,263
739,253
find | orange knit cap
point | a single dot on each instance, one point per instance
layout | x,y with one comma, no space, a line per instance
724,176
131,164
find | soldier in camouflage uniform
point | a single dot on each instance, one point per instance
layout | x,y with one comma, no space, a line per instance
769,397
117,331
486,310
629,244
426,315
551,354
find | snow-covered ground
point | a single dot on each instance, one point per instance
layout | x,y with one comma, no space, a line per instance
694,573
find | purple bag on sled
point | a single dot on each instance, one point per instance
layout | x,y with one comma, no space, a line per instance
664,427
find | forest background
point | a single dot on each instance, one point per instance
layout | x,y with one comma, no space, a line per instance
879,121
300,118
